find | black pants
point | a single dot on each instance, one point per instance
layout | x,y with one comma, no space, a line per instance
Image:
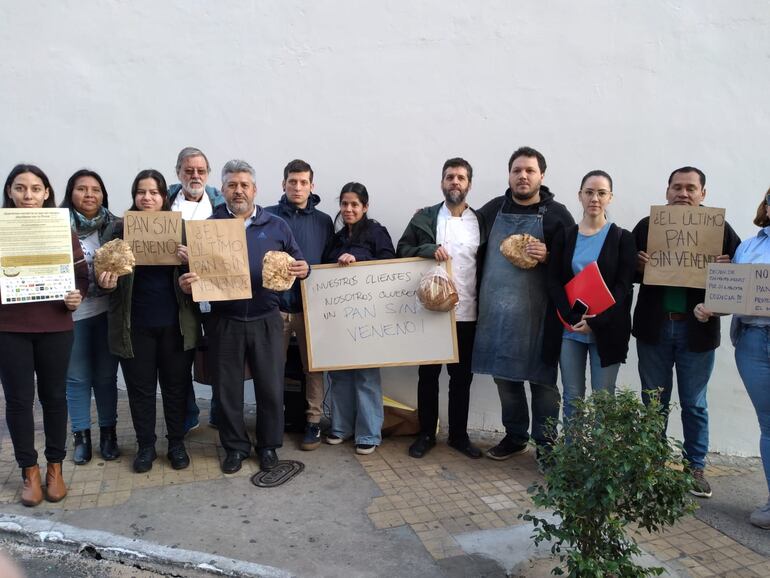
460,378
22,355
260,344
159,357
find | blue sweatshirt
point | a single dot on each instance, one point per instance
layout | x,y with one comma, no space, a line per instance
265,233
312,229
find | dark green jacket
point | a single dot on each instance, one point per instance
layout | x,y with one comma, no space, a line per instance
419,239
119,315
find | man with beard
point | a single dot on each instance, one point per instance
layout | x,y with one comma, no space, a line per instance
250,329
192,169
449,230
515,317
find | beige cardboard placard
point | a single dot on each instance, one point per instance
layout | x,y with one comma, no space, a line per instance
367,315
217,252
738,288
681,242
153,236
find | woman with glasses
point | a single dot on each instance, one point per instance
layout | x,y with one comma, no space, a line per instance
751,337
601,338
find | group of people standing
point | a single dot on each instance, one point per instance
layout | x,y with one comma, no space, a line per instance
507,319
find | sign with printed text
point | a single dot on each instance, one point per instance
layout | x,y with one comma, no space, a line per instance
217,252
367,315
738,288
681,242
153,236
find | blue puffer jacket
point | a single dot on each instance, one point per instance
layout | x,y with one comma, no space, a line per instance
215,196
312,229
266,233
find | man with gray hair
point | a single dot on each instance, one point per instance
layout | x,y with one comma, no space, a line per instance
193,168
250,329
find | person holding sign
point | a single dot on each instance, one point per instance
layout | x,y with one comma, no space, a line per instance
92,366
449,230
35,341
312,228
356,394
250,329
668,334
154,329
514,312
751,337
602,337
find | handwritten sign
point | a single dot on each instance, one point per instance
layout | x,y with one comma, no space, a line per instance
682,241
736,288
217,252
153,236
367,315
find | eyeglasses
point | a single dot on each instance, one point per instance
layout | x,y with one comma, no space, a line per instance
192,172
601,193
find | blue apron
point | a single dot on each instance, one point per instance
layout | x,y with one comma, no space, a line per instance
512,309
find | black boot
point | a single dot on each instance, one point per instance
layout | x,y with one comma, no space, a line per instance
108,443
82,452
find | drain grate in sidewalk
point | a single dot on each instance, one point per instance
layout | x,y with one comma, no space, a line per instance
280,474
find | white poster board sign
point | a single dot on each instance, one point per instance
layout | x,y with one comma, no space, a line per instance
738,288
35,255
367,315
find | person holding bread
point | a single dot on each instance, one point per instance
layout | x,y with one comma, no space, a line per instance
449,230
250,329
514,312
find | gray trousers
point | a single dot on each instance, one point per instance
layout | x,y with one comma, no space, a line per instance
260,344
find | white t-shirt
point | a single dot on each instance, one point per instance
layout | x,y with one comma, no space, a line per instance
460,236
91,305
192,210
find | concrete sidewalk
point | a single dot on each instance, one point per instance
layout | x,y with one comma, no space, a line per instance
348,515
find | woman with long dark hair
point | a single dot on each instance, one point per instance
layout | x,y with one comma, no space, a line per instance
35,341
356,394
154,329
92,367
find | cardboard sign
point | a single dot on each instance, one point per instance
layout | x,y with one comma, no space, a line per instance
367,315
681,242
153,236
217,252
735,288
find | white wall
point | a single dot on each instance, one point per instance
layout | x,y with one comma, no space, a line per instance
385,92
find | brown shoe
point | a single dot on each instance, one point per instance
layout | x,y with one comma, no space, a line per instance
55,490
32,492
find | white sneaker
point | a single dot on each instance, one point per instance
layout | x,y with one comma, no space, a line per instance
761,516
365,449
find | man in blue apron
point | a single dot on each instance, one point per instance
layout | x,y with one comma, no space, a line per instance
514,313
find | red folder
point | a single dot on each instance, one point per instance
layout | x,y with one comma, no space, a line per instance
590,288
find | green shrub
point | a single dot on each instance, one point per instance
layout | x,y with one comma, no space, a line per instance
610,467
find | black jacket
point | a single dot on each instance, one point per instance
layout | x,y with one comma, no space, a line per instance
617,264
649,314
372,244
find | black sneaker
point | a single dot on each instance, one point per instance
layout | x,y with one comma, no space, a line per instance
422,445
144,458
312,437
177,456
507,448
365,449
701,487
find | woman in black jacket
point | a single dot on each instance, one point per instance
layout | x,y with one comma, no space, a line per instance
603,337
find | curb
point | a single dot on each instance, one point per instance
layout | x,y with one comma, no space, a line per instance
104,545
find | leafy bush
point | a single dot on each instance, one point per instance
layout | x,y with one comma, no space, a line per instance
610,467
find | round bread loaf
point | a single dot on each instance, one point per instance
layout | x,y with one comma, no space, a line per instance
275,271
514,248
114,257
437,293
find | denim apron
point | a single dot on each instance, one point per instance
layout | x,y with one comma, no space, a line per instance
512,307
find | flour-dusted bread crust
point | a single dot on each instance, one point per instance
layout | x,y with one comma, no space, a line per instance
514,248
114,257
437,292
275,271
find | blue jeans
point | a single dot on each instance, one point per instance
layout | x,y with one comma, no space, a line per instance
515,413
356,396
752,355
693,371
572,364
92,366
